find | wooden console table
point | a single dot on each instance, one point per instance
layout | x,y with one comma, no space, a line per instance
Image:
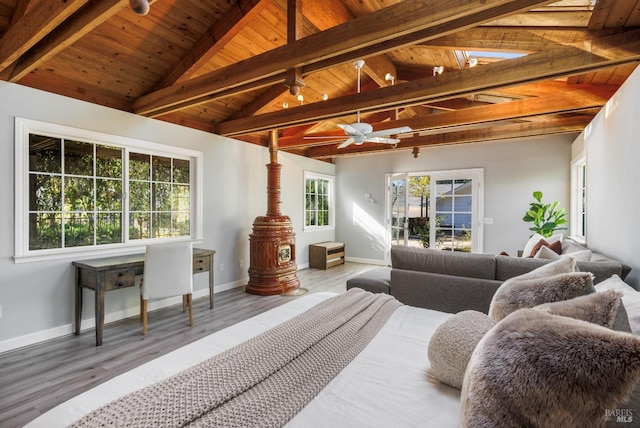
113,273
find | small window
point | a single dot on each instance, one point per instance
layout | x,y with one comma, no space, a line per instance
79,189
579,199
318,197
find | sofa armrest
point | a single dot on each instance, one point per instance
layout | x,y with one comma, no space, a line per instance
440,292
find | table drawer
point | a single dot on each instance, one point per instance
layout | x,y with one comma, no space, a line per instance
201,264
120,278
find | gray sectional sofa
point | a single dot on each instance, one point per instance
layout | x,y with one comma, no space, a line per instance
452,281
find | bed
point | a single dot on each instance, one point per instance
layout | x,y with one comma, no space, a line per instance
387,384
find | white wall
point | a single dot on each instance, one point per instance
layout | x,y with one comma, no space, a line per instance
512,171
613,176
37,297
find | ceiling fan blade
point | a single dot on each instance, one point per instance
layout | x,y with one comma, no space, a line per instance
392,131
382,140
346,143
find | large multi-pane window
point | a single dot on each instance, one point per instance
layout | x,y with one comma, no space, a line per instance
81,189
318,197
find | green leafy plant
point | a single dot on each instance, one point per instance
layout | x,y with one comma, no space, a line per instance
424,231
546,218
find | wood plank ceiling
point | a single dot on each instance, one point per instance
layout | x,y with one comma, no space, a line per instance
511,69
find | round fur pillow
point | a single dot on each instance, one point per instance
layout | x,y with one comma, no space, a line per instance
453,343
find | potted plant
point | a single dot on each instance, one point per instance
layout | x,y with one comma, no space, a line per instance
546,218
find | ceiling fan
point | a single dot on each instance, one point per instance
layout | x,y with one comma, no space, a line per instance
361,132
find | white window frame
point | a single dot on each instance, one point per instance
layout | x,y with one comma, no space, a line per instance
578,203
25,127
331,180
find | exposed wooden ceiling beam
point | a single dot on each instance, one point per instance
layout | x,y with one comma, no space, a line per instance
343,42
544,19
74,28
33,26
567,60
582,97
235,18
514,39
495,133
323,16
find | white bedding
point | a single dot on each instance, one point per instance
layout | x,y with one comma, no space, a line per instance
386,385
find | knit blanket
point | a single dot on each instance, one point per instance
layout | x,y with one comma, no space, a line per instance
262,382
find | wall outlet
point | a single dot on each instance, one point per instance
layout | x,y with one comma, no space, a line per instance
221,267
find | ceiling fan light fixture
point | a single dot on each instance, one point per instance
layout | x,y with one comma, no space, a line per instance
141,7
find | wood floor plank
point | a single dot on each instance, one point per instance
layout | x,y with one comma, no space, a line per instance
37,378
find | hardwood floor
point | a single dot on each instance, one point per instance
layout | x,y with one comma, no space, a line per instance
37,378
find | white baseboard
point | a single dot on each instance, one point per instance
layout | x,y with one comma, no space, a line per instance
365,261
90,323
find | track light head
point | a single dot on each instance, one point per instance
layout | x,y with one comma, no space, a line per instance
141,7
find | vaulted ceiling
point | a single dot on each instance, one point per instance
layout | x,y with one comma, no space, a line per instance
243,68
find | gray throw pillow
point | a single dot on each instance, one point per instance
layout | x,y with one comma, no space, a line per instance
543,370
517,293
452,344
605,309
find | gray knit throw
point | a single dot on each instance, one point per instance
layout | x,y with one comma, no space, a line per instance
262,382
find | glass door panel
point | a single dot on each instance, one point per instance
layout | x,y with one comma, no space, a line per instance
453,214
398,210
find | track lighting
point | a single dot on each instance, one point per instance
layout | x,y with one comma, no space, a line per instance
300,98
285,105
473,62
438,70
390,78
325,97
141,7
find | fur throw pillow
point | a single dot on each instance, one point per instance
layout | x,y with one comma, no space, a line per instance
543,370
562,265
452,344
517,293
603,308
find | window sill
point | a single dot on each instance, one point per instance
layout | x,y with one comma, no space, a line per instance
86,253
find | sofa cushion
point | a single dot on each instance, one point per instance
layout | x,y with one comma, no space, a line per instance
472,265
376,280
452,344
508,267
538,369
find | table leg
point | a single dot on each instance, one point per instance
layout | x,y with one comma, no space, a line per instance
78,317
211,271
99,315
